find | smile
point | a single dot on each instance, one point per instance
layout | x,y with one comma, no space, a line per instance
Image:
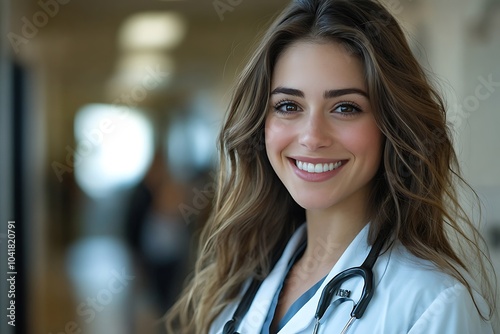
317,168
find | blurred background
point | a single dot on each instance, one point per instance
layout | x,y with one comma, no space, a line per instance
109,113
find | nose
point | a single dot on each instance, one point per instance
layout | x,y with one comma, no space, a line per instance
316,133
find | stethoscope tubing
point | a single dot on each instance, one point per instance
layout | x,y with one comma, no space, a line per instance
365,271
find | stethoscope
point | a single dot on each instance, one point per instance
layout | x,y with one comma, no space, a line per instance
364,271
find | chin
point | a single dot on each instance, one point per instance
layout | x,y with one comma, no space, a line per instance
313,202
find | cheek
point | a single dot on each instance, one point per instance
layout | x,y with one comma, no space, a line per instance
277,136
364,141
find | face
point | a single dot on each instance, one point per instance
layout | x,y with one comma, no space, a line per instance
321,137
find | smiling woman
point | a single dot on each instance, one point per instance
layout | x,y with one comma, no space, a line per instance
350,215
320,115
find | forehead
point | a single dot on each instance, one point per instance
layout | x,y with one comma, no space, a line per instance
322,65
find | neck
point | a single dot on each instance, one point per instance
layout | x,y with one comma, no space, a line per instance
330,231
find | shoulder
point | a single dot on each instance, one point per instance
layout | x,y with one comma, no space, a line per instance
430,300
420,279
403,267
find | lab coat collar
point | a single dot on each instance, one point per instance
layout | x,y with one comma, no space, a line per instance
256,315
354,255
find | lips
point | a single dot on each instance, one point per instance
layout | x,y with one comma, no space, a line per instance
318,167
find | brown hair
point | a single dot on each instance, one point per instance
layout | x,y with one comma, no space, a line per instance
414,196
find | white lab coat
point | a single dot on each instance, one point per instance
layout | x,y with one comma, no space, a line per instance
410,296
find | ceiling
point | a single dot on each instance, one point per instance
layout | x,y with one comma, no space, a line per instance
80,10
78,50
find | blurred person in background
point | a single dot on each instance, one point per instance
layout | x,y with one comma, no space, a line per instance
157,233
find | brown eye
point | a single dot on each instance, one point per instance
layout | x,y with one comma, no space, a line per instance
347,108
286,107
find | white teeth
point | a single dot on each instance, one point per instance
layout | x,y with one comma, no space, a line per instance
317,168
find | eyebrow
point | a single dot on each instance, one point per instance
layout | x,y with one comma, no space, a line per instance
329,94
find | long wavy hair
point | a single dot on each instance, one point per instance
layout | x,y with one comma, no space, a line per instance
414,195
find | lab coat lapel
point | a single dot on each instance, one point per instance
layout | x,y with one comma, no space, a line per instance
256,315
353,256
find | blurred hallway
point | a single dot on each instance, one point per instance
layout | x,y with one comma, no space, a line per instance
109,113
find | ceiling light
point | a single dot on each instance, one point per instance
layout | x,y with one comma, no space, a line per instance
152,30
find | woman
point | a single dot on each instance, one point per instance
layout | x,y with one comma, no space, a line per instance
357,147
